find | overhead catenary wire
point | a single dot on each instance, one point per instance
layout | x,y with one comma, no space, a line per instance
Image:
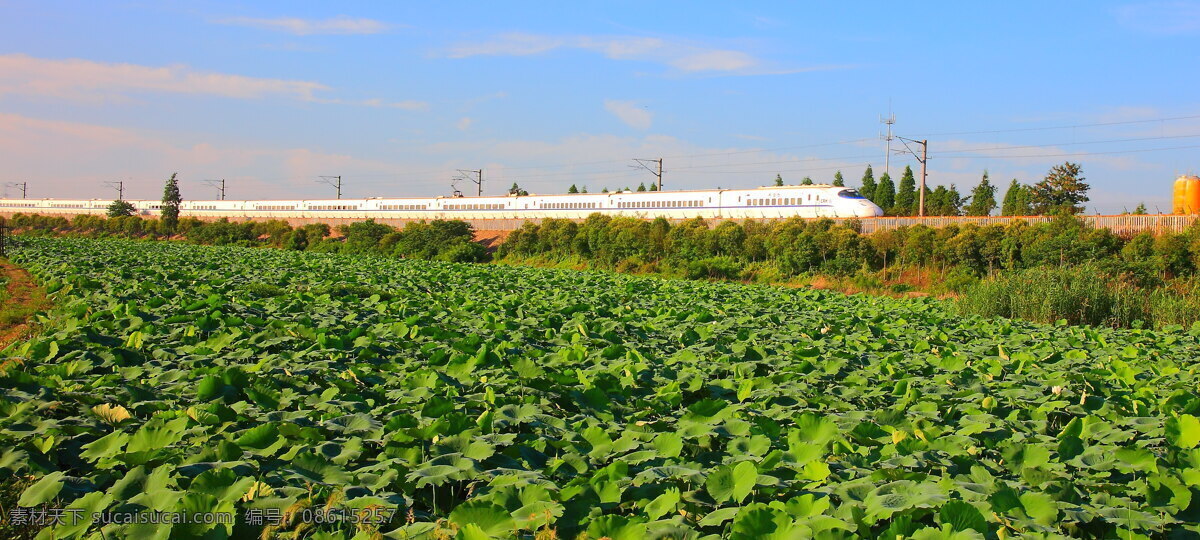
1050,145
1074,154
1071,126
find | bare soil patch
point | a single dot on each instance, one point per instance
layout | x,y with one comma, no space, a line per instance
22,298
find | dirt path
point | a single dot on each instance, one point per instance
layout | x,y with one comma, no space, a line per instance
491,239
22,298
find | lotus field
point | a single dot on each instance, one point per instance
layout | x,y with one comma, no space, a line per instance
325,396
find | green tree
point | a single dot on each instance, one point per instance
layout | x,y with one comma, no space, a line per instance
778,179
1063,190
642,186
516,190
1140,210
584,190
572,189
838,180
885,193
605,190
953,203
120,208
906,194
935,202
1016,200
807,181
170,203
868,184
653,187
983,198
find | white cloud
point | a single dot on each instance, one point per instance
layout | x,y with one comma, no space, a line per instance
340,25
72,160
464,123
682,56
511,44
1160,17
629,113
407,105
88,80
715,61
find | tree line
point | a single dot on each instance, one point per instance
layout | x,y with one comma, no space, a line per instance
1062,190
444,240
793,247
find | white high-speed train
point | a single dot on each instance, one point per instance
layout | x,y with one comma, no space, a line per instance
806,201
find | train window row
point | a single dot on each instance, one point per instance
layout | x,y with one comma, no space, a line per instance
660,204
473,207
276,208
67,205
570,206
334,207
402,207
18,205
203,207
786,201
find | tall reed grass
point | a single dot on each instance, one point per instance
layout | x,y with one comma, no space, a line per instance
1084,294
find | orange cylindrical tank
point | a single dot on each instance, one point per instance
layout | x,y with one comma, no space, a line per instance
1192,196
1179,196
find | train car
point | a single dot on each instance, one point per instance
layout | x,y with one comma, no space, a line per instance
810,201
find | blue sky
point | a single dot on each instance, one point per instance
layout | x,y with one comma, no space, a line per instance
395,98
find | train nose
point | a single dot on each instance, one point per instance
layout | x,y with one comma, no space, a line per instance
868,209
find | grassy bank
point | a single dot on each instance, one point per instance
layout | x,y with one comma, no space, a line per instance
1087,294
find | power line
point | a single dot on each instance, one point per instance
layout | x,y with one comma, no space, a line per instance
1098,124
220,185
465,174
645,164
119,186
335,181
1161,137
806,169
1114,152
24,188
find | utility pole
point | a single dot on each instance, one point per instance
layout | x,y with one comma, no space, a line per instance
477,180
887,155
119,186
220,185
335,181
23,185
645,164
923,158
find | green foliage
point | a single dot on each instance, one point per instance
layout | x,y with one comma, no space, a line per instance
1063,190
778,180
805,182
516,190
1017,200
641,186
983,198
170,203
944,201
868,184
838,180
489,401
906,195
1085,294
447,240
885,194
120,208
572,189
